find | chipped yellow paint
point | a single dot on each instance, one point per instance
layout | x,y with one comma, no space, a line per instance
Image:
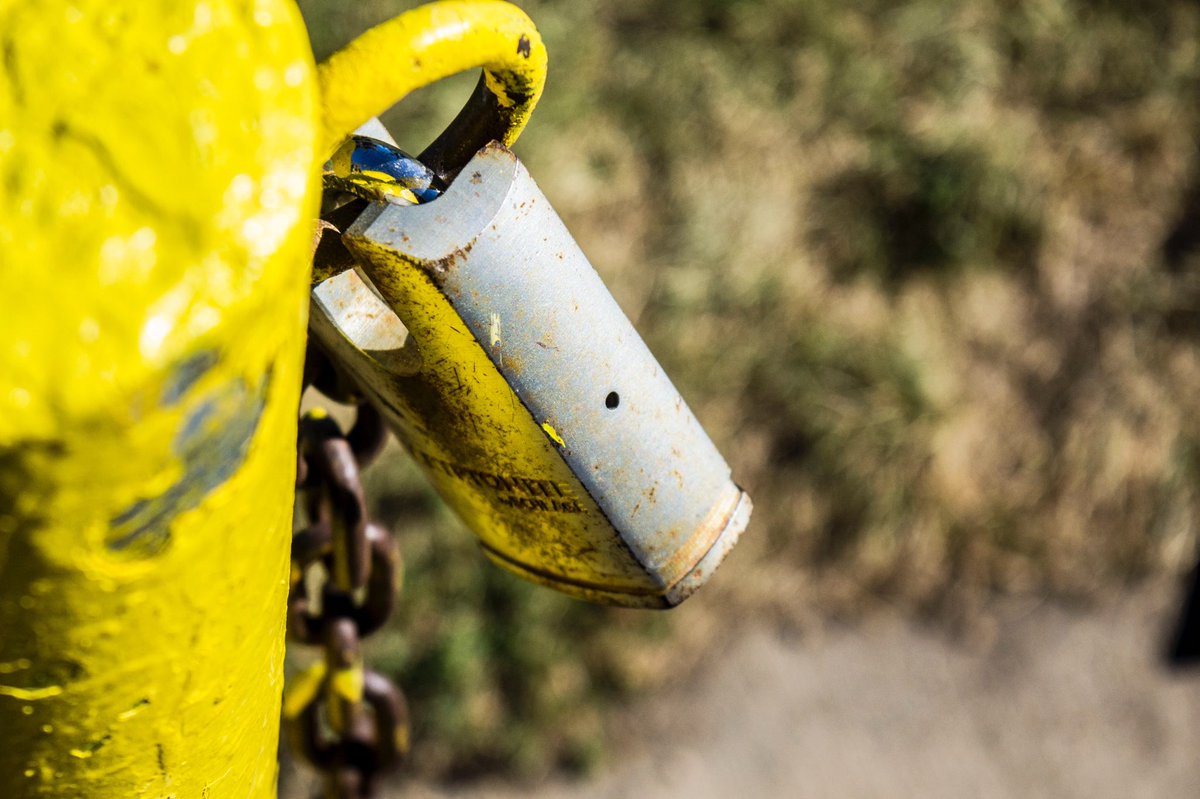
427,44
494,330
400,736
497,88
348,684
159,161
554,436
302,689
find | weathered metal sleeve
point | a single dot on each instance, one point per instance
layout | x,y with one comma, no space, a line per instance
159,168
523,365
379,68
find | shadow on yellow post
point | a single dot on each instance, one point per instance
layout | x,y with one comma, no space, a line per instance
159,186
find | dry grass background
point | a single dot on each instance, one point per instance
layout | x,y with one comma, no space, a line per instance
928,272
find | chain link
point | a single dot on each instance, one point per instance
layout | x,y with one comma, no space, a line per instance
349,722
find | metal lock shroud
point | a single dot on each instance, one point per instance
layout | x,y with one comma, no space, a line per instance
526,395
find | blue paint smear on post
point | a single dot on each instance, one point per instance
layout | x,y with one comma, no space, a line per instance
212,444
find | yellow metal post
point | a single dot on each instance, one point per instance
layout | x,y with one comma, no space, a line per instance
158,162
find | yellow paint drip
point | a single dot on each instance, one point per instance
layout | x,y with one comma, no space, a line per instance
160,161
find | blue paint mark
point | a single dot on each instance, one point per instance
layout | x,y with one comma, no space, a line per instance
184,376
212,444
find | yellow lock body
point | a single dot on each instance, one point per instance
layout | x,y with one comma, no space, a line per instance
158,162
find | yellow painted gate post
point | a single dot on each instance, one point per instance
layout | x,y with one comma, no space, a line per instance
157,192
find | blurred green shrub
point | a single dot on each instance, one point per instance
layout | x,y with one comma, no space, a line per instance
928,272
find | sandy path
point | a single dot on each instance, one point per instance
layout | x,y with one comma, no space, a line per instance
1061,704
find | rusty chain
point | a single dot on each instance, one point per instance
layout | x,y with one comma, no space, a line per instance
349,722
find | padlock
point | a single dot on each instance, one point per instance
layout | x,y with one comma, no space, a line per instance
477,327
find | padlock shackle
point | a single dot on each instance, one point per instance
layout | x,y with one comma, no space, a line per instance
424,45
481,121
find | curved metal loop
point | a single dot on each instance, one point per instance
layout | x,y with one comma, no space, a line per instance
369,615
309,545
383,583
321,374
305,741
368,435
345,782
391,718
424,45
337,497
375,736
302,625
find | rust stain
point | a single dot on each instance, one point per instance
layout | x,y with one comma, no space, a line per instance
439,268
512,364
699,541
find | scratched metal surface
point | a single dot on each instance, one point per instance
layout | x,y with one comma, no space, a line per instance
498,253
472,437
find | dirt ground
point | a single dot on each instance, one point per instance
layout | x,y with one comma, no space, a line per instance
1050,702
